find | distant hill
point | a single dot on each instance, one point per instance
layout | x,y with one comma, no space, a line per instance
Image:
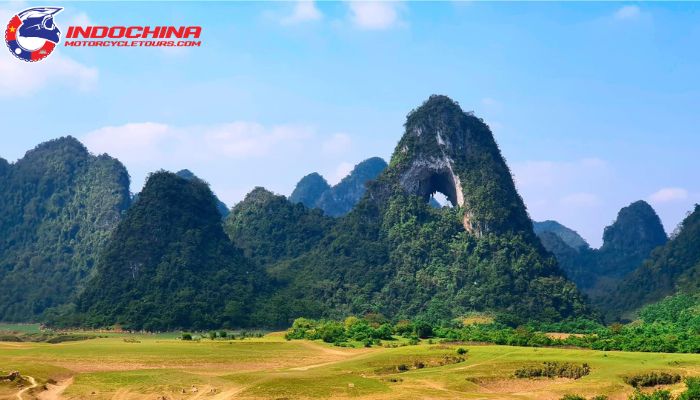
627,243
314,192
672,268
169,265
309,190
570,237
58,206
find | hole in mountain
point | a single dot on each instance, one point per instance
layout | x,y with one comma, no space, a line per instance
439,199
439,186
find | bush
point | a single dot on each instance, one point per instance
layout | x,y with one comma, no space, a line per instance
423,330
573,397
693,389
657,395
554,369
652,379
403,328
186,336
69,338
332,332
462,351
223,334
212,335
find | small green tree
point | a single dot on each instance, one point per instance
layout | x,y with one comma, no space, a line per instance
186,336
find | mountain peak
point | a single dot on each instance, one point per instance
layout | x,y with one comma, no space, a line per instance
569,236
447,150
309,189
186,173
636,228
314,192
189,175
259,195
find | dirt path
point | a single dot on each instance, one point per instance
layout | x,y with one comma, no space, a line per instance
53,392
21,392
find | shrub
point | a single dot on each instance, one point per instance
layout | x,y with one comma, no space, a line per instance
656,395
383,332
693,389
186,336
212,335
652,379
223,334
69,338
403,328
332,332
554,369
462,351
423,330
572,397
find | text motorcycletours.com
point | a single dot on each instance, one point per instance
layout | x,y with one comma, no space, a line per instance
132,36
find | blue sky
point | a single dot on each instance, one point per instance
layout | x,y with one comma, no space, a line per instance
594,105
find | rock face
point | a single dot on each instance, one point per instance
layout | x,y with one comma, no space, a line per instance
447,150
314,192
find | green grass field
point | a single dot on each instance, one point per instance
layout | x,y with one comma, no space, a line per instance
273,368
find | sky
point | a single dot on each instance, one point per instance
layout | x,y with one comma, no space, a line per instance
594,105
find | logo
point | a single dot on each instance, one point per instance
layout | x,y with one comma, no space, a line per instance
32,34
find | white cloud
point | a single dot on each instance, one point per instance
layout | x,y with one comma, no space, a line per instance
628,13
581,199
545,174
338,143
374,15
250,139
136,142
666,195
341,171
19,78
149,142
79,19
304,11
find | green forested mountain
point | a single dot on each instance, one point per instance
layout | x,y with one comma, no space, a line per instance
672,268
394,254
189,175
309,189
220,205
314,192
58,206
170,265
270,228
627,242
